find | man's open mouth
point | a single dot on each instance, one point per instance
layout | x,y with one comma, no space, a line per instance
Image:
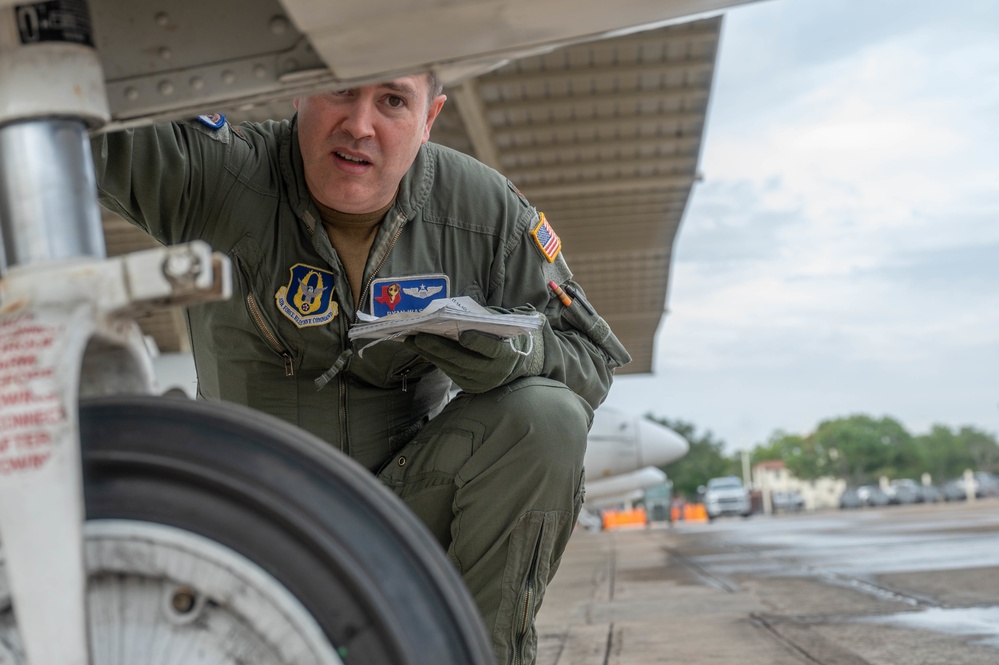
351,158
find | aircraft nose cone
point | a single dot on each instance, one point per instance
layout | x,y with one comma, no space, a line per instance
658,445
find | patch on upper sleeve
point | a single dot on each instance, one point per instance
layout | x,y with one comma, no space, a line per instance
546,239
211,124
213,120
557,271
517,192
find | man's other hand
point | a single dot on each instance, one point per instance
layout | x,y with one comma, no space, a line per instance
478,362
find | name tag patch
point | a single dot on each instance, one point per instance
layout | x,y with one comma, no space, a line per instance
393,295
307,299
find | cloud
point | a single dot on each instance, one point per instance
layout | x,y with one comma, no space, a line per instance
843,253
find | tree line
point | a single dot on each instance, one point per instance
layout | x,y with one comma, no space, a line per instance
858,448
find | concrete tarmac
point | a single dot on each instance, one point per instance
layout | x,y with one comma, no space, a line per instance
724,594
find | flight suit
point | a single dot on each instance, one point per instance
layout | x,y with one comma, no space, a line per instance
496,476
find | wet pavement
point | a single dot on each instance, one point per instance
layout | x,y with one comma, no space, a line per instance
896,585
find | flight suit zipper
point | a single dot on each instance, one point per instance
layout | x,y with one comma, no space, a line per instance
344,445
528,599
371,277
258,320
269,337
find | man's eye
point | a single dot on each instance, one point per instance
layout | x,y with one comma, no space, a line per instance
395,102
342,93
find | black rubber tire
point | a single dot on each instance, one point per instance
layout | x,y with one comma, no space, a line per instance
373,577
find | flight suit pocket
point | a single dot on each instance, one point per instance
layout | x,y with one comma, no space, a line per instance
422,474
246,257
585,319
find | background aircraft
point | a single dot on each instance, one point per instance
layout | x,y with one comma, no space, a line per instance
623,454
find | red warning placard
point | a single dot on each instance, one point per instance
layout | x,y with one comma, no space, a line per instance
30,406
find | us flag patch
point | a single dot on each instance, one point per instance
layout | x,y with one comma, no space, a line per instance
548,241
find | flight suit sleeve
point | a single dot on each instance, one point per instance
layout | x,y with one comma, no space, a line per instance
164,178
581,351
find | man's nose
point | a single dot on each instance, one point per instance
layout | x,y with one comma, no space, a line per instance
359,122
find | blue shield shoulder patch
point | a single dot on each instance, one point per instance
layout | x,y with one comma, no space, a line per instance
307,299
393,295
213,120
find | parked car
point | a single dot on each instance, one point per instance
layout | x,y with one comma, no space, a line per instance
983,484
850,498
955,490
986,484
787,502
872,495
725,496
931,493
904,490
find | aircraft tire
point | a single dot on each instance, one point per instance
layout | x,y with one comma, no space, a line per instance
369,574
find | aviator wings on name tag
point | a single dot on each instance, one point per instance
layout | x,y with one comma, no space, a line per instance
395,295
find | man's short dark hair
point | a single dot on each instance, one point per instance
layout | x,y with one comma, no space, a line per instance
435,86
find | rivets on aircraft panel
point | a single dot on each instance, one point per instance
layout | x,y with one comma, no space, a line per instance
162,19
131,94
259,71
166,53
279,25
197,82
228,77
165,87
290,64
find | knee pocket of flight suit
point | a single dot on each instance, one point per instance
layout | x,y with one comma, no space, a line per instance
423,473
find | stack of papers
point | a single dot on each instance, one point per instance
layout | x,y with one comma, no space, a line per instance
448,317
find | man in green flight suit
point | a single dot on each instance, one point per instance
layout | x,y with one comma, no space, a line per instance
347,209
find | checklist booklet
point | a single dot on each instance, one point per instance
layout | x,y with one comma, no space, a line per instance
448,317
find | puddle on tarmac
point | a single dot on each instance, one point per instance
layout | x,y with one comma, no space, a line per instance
981,621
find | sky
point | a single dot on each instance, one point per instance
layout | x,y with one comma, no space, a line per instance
841,255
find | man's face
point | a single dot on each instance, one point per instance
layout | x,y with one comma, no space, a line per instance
358,143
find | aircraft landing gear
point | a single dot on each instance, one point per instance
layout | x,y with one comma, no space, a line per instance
215,530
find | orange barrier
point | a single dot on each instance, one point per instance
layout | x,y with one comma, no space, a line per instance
615,519
689,512
698,513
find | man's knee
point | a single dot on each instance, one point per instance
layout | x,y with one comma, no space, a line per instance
554,420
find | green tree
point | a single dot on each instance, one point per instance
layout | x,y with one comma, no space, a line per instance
948,453
704,460
943,455
860,449
982,449
803,456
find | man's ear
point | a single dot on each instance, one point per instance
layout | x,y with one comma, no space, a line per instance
435,108
295,102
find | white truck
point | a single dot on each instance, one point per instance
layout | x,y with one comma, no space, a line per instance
725,496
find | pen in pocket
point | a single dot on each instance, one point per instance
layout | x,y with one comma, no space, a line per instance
575,296
557,290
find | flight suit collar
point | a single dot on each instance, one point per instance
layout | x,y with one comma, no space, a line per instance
416,184
293,173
